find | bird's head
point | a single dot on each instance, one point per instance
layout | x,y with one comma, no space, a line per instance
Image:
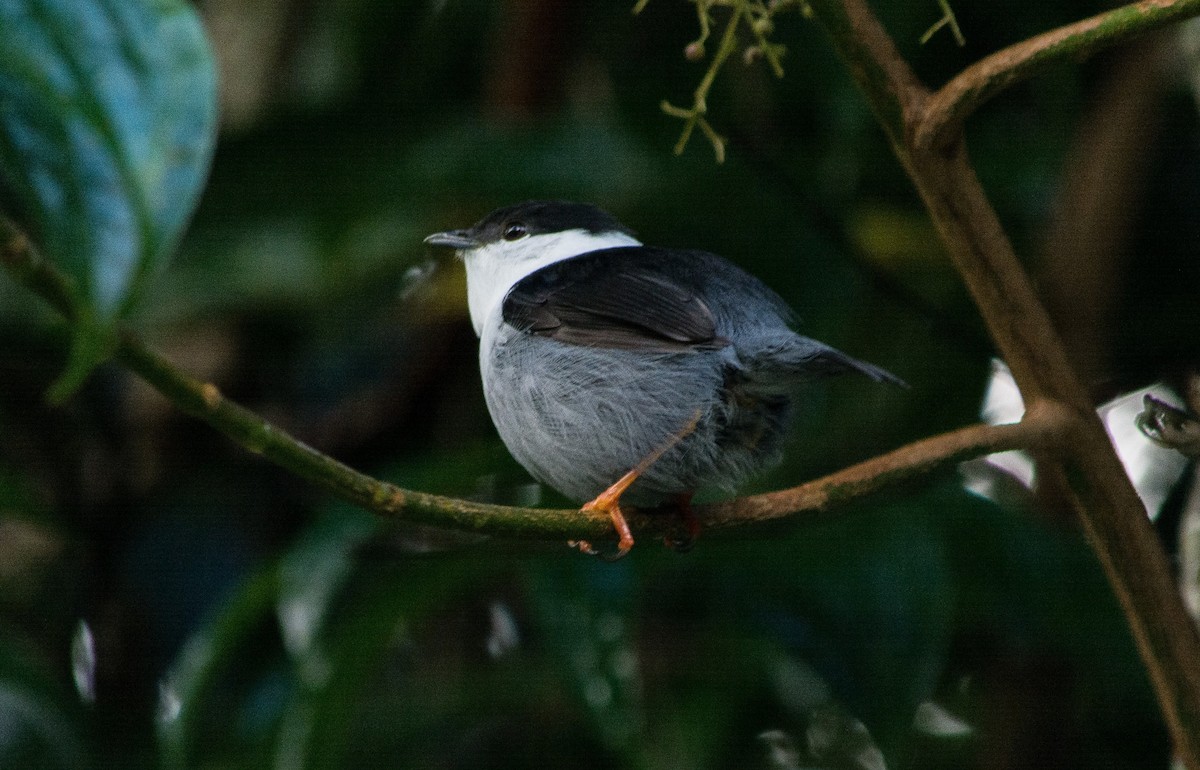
512,242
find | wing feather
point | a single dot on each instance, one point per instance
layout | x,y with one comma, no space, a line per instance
615,298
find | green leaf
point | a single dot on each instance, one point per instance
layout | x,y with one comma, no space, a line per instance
41,725
193,687
107,126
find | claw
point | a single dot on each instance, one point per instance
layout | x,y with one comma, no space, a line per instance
584,547
608,502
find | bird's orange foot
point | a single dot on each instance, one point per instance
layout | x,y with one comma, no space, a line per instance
608,502
624,536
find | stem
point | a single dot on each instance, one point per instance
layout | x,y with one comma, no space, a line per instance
948,19
694,116
1042,428
724,49
27,267
205,401
770,51
1100,493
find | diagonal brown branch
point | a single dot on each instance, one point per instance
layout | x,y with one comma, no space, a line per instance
1099,492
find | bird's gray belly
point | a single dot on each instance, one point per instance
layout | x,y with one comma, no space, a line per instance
579,418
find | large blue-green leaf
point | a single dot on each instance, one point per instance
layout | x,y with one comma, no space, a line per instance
107,125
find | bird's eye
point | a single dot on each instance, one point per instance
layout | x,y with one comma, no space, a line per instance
515,231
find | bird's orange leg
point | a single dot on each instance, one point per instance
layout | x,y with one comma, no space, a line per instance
609,500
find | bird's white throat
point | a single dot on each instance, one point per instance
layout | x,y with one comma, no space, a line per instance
493,268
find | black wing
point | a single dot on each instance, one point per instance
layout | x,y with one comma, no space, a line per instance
614,298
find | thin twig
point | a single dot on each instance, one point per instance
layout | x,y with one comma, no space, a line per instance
948,19
26,265
950,105
759,27
1044,427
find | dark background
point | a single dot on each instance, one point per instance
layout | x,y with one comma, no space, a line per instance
239,618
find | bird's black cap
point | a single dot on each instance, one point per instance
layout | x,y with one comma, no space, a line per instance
537,218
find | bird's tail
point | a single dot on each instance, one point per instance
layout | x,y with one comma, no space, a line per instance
798,359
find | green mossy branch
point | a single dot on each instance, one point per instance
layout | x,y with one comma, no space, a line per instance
814,499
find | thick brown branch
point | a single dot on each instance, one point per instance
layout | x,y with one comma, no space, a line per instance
961,212
1100,493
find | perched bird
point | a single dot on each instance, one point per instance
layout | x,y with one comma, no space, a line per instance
617,371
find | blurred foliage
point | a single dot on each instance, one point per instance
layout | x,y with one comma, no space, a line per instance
237,619
105,140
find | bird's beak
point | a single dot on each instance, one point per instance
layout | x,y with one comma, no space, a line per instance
454,239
